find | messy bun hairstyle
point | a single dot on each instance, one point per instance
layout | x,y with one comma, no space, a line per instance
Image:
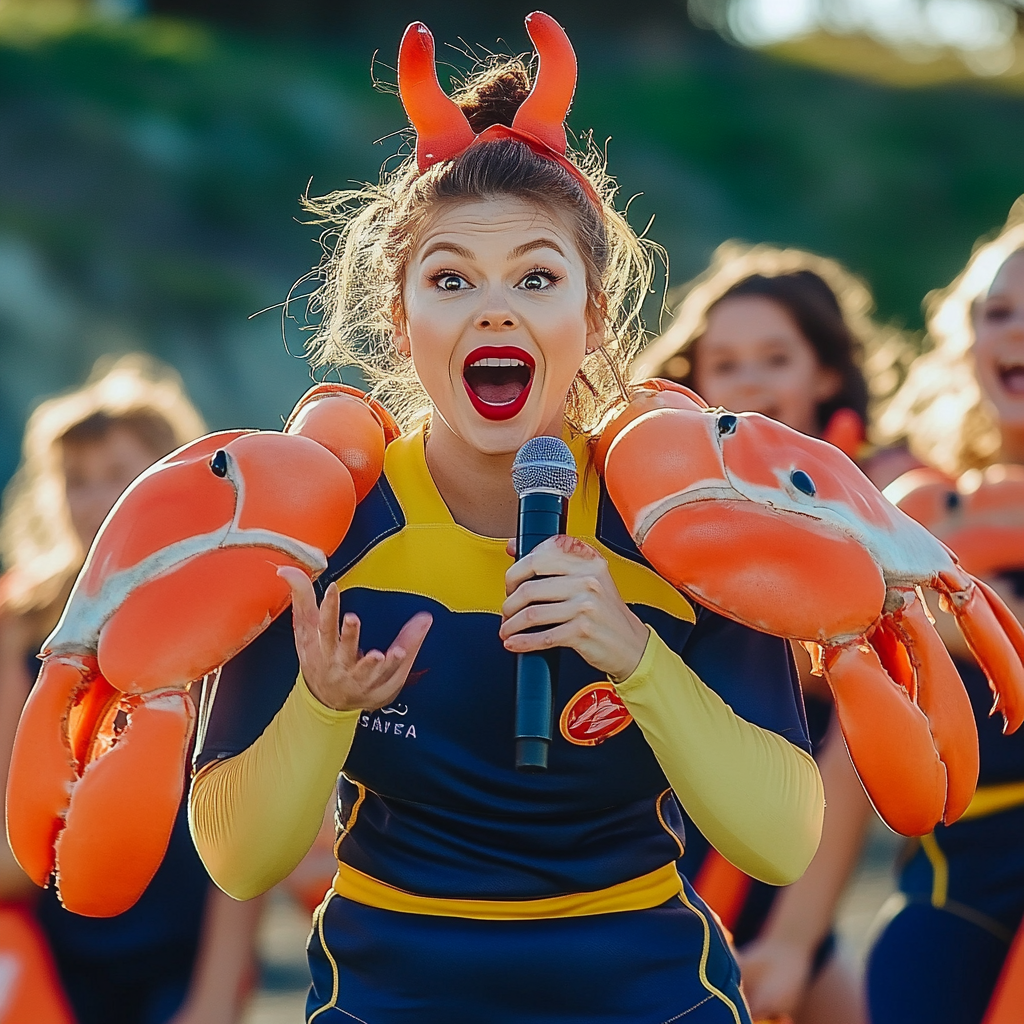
371,232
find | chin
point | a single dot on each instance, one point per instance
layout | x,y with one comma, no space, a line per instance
491,437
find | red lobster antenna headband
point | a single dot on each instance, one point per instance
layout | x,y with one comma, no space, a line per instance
442,129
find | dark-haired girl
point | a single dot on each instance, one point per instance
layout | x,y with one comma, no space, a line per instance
783,333
498,288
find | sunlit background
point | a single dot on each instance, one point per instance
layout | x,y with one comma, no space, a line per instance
152,156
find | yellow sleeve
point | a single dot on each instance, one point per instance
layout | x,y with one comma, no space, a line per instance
254,816
756,797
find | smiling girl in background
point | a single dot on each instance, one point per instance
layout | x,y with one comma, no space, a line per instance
962,411
784,333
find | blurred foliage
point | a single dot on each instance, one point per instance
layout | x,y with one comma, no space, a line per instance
150,171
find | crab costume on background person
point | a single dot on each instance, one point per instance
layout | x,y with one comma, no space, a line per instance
716,529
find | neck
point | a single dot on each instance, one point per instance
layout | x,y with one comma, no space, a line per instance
1012,447
476,487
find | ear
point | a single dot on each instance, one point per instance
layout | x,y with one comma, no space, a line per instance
597,322
400,330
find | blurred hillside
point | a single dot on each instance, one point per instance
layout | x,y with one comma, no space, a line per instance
150,171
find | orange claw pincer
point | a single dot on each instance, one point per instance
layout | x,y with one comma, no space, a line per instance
782,532
182,576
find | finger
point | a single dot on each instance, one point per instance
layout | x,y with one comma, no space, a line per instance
348,644
564,635
510,547
330,609
305,614
538,591
556,556
394,670
536,615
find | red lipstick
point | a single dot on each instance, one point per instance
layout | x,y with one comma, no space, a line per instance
498,379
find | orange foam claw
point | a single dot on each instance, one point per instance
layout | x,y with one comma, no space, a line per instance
94,786
43,768
996,639
122,811
649,394
349,424
889,740
782,532
182,575
943,699
543,112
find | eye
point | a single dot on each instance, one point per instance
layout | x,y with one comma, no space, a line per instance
449,281
802,482
778,359
727,424
997,314
538,280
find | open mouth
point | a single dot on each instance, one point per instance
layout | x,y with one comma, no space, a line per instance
498,380
1011,375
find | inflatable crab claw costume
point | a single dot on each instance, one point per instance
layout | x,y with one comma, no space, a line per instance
182,575
782,532
980,515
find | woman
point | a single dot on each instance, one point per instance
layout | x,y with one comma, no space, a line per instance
184,952
498,289
962,410
784,333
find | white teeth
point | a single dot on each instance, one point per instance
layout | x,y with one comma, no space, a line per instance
495,361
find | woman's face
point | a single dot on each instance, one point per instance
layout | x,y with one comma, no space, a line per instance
495,320
96,472
999,342
754,358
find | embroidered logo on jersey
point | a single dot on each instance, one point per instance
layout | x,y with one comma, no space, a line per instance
594,714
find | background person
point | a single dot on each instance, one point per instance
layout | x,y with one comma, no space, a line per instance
784,333
183,953
961,888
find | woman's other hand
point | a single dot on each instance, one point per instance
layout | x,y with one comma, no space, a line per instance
337,673
774,976
566,584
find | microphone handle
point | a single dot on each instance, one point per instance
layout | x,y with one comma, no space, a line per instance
542,514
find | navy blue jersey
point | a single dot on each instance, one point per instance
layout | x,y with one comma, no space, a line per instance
429,801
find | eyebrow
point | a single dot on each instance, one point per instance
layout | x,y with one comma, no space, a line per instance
537,243
452,247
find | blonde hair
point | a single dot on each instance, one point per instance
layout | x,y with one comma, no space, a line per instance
39,548
879,355
370,234
942,410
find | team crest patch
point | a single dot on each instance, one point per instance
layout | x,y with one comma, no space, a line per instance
594,714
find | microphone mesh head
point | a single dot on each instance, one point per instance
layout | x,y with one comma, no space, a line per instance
544,464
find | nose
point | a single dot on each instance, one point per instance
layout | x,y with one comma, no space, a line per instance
497,319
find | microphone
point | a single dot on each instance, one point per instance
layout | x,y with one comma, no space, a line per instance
544,477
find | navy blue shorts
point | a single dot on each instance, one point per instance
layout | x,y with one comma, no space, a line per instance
655,966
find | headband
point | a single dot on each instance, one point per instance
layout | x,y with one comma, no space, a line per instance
442,129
